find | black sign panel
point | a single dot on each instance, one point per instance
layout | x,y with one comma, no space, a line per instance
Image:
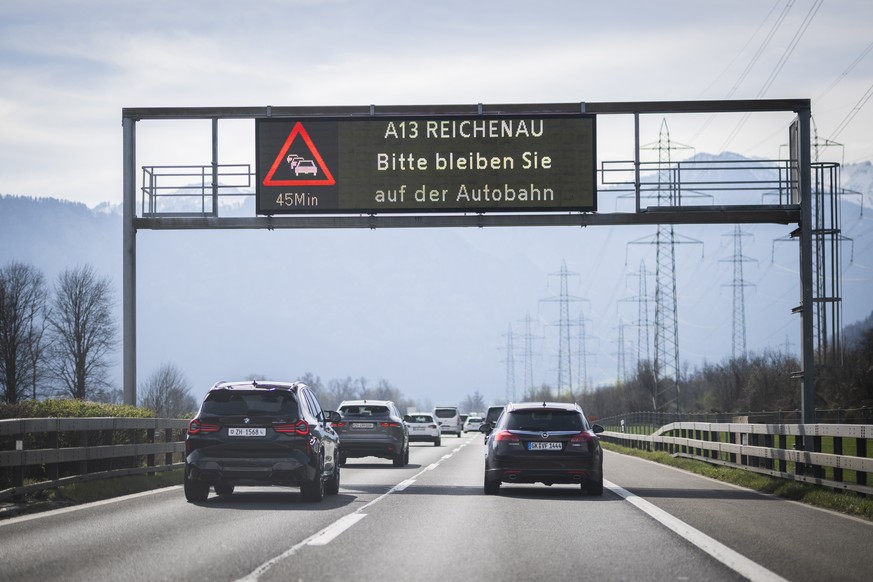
506,163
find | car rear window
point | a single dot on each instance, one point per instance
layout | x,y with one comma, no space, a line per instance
545,420
420,418
493,414
364,410
446,412
236,403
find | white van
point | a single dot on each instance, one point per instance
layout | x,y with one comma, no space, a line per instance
449,419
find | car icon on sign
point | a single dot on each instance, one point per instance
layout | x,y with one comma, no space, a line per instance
305,167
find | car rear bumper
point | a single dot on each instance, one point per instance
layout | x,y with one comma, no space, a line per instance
386,450
291,470
555,470
421,437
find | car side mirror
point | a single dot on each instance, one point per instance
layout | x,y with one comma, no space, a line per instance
332,416
597,429
405,418
485,427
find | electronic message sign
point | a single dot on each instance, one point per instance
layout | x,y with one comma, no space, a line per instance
422,164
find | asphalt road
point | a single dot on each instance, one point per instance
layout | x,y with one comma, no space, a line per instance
431,521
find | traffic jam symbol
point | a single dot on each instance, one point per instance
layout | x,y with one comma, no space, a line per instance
307,171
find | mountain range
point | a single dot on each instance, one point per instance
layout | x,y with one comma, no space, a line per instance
434,311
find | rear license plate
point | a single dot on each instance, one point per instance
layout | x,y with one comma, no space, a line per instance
246,432
367,425
545,446
418,428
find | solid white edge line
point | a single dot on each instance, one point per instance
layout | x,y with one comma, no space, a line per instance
327,535
730,558
53,512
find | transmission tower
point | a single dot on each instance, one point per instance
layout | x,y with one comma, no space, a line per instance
642,299
565,372
621,372
510,365
666,363
528,338
738,343
582,354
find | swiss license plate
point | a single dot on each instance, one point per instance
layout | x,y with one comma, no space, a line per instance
418,428
366,425
545,446
247,432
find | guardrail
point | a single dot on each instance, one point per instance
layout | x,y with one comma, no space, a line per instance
44,453
771,449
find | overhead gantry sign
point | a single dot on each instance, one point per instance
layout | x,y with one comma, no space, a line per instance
510,163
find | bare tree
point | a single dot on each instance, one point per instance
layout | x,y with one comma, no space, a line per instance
83,331
168,393
473,403
22,304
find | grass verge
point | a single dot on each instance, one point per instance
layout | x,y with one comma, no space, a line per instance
844,502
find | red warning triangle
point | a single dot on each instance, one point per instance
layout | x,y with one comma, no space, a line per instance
327,178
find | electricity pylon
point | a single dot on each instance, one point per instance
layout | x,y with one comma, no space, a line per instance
738,342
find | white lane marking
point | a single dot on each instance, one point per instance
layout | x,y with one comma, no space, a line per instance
404,484
432,466
327,535
335,529
730,558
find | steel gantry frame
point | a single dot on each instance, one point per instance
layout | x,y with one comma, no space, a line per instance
797,211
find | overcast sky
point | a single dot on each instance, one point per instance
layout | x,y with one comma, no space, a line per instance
69,67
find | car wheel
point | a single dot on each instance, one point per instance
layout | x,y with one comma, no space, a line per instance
223,489
314,490
594,487
402,458
491,487
342,460
333,484
437,442
195,491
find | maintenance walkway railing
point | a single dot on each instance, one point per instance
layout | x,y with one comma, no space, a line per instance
45,453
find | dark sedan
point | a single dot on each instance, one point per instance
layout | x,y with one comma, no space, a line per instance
546,442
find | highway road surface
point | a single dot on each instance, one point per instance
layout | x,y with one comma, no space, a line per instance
431,521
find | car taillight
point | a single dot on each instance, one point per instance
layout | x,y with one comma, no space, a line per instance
431,426
583,438
388,424
338,424
197,427
300,427
506,437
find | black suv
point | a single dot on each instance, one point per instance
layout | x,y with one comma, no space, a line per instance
261,433
545,442
372,428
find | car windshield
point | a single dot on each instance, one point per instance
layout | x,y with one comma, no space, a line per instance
364,410
446,413
253,403
474,419
420,418
545,420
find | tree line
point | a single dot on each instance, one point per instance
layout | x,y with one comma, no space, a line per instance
752,382
54,340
